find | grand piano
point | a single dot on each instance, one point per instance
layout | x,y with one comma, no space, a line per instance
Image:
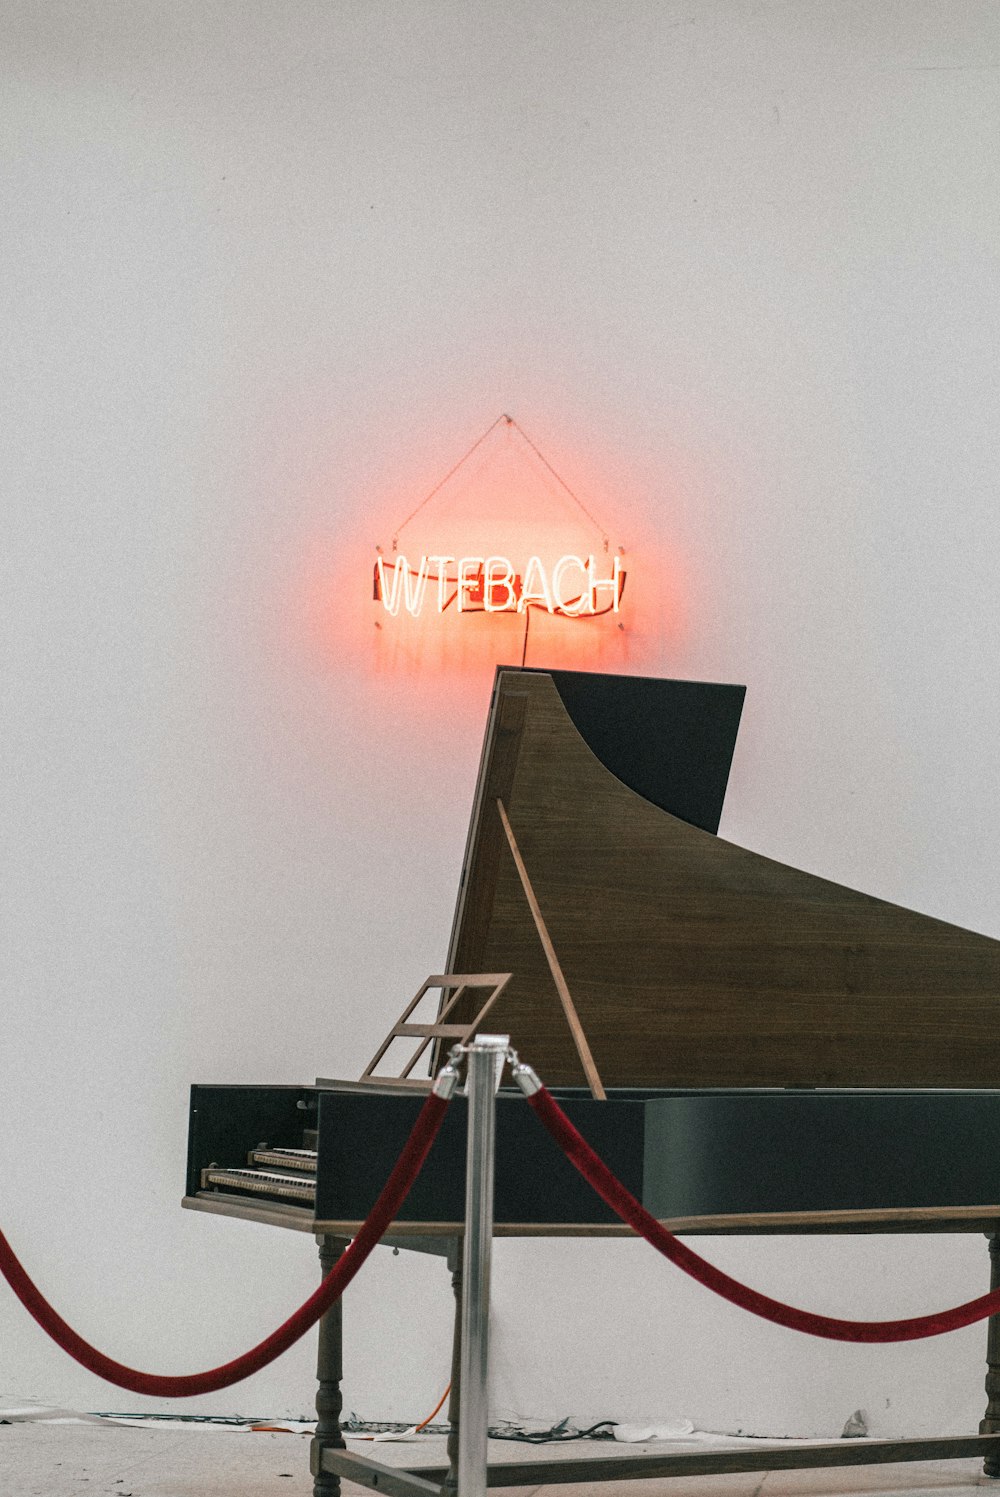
779,1053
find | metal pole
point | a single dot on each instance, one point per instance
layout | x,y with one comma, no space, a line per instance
483,1056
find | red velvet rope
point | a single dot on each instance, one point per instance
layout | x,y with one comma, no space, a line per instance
394,1193
624,1204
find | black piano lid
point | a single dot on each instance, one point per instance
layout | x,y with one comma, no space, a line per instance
672,742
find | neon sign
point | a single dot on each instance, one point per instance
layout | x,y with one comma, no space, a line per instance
573,587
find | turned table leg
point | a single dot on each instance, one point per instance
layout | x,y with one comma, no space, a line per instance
991,1424
329,1372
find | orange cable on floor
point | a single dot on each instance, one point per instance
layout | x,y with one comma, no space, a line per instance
440,1406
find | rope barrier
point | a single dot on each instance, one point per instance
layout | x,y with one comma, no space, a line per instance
624,1204
394,1193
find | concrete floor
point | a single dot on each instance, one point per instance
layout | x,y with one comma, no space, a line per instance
48,1459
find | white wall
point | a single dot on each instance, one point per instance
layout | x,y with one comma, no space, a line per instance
268,269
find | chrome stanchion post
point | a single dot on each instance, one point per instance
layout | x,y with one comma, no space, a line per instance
484,1059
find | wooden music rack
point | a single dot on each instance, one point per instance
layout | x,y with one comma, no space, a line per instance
453,983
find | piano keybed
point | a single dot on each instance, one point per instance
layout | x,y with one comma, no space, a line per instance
285,1159
275,1174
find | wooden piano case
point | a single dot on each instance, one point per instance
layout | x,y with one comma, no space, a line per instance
781,1053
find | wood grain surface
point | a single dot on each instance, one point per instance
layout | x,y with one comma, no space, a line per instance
693,962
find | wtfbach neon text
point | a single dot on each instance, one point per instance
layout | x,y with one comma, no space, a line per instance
489,584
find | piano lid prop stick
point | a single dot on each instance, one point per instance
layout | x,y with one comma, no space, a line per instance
569,1008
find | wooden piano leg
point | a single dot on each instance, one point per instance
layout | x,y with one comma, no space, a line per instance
329,1372
450,1485
991,1424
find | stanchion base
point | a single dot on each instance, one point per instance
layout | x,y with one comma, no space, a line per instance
426,1482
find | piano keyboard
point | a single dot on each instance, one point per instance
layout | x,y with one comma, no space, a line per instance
286,1159
290,1175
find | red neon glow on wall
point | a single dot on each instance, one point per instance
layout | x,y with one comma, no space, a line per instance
498,562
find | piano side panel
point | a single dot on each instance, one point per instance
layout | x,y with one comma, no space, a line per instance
814,1151
362,1134
770,1161
693,962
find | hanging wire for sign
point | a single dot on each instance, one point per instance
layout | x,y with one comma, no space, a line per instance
510,422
